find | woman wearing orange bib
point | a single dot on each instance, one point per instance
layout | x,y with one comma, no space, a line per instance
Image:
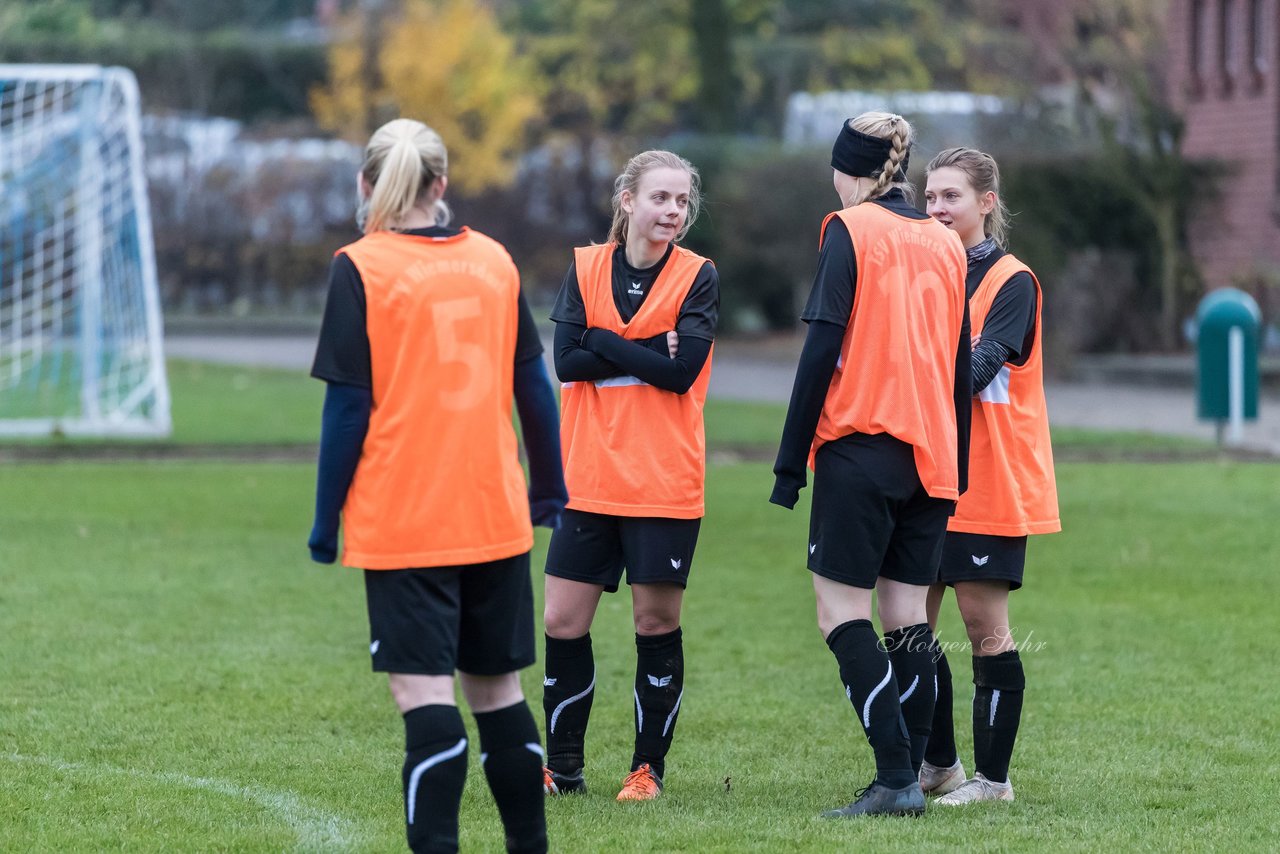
1012,492
880,410
425,340
635,321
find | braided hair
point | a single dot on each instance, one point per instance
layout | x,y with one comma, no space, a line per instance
898,131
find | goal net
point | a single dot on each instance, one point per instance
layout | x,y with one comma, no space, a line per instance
80,335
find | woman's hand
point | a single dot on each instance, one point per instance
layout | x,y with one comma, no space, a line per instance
673,344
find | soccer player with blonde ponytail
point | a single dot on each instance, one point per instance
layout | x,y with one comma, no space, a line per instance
635,324
426,339
880,412
1013,492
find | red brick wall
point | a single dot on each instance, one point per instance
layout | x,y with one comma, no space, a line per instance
1234,118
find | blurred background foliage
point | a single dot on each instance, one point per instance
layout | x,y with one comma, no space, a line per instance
540,101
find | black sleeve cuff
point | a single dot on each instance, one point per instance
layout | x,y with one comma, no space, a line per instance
784,494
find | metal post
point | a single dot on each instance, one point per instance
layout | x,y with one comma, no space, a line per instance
1235,385
89,239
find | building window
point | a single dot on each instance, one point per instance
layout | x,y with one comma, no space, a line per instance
1258,59
1228,44
1198,37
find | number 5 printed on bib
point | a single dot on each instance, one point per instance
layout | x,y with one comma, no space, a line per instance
474,364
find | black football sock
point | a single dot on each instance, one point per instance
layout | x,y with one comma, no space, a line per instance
997,709
658,690
512,758
567,691
910,650
435,770
941,751
871,688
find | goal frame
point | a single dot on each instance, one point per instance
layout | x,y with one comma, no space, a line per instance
145,410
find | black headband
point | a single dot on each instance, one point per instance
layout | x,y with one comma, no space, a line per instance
863,156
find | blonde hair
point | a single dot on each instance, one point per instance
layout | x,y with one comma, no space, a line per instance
401,164
984,176
629,182
897,130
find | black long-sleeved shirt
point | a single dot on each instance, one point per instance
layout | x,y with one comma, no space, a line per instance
1008,332
585,354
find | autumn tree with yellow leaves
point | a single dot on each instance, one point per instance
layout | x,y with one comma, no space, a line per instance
447,63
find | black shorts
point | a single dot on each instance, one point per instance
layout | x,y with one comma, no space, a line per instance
871,517
477,618
982,557
594,548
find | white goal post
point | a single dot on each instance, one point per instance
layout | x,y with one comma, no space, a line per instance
80,330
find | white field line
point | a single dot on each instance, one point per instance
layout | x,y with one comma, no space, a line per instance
315,828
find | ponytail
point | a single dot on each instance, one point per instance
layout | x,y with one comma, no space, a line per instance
402,163
984,176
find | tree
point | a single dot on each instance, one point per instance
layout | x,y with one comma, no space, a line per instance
1115,63
847,44
618,74
712,27
1111,54
65,18
613,65
447,63
252,71
207,14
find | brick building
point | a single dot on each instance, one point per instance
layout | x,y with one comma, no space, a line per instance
1224,77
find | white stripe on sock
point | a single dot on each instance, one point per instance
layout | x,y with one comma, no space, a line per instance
639,711
555,716
671,717
426,765
532,747
866,707
911,690
995,701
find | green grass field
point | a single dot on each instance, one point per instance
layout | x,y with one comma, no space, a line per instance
221,406
178,676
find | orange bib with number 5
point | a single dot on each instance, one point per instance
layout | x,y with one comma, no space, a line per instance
439,482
